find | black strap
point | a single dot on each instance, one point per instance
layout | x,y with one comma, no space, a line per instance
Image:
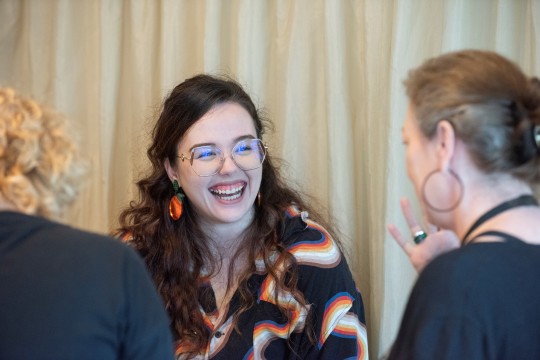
507,237
523,200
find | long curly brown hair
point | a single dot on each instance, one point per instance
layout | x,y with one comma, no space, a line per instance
177,252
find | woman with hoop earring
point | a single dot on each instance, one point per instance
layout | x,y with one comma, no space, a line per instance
472,137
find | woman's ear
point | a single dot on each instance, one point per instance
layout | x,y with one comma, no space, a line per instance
446,143
171,171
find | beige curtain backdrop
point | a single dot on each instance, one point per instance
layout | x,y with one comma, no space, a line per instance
327,72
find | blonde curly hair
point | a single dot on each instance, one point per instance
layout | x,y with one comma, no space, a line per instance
40,166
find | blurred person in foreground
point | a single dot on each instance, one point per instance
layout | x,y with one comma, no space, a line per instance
472,137
241,259
65,293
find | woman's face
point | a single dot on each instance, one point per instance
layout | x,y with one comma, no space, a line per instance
420,152
227,196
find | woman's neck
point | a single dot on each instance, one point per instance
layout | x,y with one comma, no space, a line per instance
227,237
482,196
226,240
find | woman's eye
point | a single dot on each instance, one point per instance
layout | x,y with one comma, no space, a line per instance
243,149
205,154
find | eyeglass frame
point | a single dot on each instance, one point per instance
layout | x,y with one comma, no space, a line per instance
264,147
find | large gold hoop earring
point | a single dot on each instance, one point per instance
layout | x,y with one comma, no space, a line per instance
441,209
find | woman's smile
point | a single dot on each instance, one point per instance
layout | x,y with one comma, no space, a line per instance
228,193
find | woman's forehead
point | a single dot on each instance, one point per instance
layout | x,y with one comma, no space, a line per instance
223,125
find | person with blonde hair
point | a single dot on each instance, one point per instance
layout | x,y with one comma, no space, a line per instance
472,137
65,293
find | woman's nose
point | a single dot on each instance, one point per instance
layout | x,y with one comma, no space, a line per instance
228,165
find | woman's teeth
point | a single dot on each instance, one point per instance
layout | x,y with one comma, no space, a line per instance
229,193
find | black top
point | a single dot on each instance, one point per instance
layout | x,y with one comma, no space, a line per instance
69,294
481,301
335,314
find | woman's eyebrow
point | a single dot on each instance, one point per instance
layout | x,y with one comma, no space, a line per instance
201,144
237,139
243,137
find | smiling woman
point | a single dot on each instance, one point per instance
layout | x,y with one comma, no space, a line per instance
219,189
243,270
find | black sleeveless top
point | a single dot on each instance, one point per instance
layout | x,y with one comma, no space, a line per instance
481,301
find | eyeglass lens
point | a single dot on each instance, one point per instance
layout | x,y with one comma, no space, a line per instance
248,154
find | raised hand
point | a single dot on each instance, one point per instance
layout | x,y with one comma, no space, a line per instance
429,244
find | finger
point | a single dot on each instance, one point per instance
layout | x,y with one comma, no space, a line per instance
407,210
431,229
404,243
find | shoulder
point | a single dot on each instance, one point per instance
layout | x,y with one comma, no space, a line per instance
55,239
448,276
308,241
324,275
458,295
443,289
464,278
477,262
90,241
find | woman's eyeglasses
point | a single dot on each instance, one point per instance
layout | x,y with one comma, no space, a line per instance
207,160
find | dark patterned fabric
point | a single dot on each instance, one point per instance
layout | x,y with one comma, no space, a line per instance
335,313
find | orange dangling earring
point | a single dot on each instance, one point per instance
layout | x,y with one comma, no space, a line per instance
259,199
175,205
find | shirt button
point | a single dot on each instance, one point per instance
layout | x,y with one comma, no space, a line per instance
218,334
